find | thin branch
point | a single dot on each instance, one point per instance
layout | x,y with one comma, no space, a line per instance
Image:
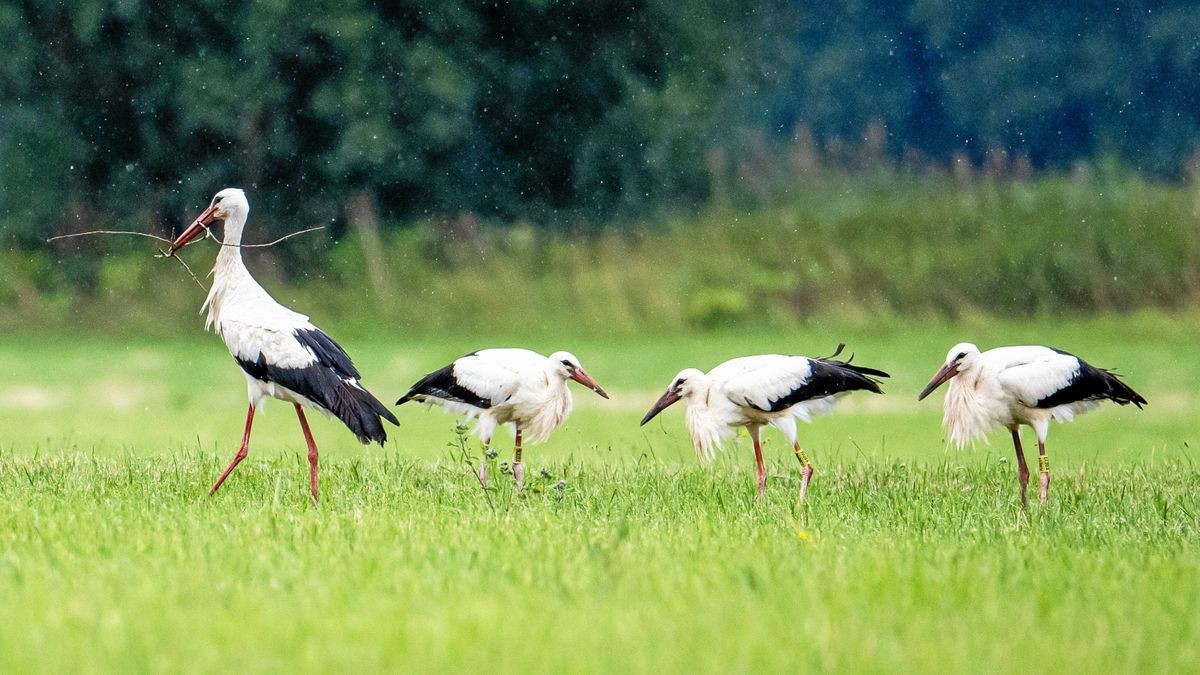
208,234
85,234
165,254
272,243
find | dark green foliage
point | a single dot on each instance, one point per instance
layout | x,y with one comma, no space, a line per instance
562,113
510,110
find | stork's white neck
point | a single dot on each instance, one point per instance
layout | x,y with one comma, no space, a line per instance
230,275
707,422
235,222
551,408
971,411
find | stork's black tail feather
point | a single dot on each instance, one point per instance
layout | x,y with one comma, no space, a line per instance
361,412
830,376
841,376
331,383
1093,384
433,384
1118,391
442,384
857,375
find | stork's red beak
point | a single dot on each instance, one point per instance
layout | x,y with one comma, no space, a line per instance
661,404
944,373
200,224
580,375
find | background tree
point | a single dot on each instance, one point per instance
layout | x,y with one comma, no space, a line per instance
557,113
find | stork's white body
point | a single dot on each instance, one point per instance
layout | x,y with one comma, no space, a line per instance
522,389
251,323
281,353
754,391
1030,385
739,393
506,386
1001,388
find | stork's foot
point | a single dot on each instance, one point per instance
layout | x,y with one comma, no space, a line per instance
1043,487
519,474
762,489
483,474
805,476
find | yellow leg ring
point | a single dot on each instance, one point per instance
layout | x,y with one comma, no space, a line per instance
803,457
1043,464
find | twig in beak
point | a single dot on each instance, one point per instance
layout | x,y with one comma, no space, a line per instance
163,254
272,243
84,234
207,233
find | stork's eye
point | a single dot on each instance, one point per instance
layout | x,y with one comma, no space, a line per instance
961,356
680,382
566,363
217,199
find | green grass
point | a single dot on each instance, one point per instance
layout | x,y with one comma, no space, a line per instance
907,557
884,244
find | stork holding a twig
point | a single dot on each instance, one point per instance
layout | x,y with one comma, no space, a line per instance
753,391
1011,386
281,353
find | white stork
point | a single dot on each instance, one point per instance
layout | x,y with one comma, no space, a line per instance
502,386
1011,386
280,352
769,389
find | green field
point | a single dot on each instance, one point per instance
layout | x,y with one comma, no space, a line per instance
908,556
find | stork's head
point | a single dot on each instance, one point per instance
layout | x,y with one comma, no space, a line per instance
681,387
960,357
228,204
568,367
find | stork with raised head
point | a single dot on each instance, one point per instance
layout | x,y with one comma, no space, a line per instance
753,391
281,353
506,386
1011,386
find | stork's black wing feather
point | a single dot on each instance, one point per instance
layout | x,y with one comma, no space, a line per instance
829,377
329,388
442,384
330,382
329,353
1092,384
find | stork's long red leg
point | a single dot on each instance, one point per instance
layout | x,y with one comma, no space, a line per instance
758,459
241,453
1022,467
518,468
1043,473
312,452
805,473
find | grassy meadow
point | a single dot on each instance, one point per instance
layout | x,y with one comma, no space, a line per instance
909,556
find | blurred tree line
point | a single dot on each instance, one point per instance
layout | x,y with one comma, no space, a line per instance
565,114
